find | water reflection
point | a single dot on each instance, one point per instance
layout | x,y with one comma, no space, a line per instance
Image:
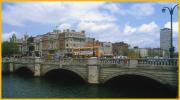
138,86
64,86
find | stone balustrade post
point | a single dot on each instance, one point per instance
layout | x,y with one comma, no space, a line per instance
133,63
37,66
11,64
93,71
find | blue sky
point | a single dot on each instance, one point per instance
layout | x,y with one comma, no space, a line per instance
137,23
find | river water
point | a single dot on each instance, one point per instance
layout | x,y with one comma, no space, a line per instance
20,86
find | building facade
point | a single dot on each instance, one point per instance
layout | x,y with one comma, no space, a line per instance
68,40
165,38
143,52
157,52
59,43
120,49
38,45
25,45
106,49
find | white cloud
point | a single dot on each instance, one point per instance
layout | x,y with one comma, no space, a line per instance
96,27
144,28
175,26
148,27
129,30
136,10
7,36
20,14
64,26
142,9
53,13
114,8
143,35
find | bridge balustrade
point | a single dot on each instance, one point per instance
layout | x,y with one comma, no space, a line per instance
66,61
113,61
5,60
73,61
24,60
158,62
84,61
49,61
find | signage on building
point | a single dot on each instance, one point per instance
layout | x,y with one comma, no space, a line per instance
85,52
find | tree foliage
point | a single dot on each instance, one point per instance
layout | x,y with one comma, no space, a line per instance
9,48
132,53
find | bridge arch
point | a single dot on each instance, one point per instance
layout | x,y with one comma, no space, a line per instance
137,73
29,67
71,69
24,70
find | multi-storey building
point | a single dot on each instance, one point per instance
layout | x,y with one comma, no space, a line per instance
91,45
59,43
38,45
68,40
165,38
120,49
147,52
19,43
143,52
25,45
47,44
30,46
106,48
134,52
152,52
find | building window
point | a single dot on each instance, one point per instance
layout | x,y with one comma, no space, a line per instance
67,45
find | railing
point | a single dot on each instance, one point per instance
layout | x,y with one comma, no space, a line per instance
18,60
75,61
66,61
24,60
5,60
82,61
113,61
159,62
49,61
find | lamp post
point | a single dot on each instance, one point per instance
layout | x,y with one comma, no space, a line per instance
93,48
171,10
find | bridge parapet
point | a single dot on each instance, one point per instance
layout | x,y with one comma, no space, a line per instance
100,61
5,60
158,62
28,60
49,62
74,61
113,61
66,61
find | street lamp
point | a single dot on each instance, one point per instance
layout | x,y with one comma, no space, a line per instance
93,48
171,10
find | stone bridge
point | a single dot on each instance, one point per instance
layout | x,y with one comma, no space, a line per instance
99,70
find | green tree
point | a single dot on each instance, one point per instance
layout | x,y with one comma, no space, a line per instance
131,53
9,48
125,51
